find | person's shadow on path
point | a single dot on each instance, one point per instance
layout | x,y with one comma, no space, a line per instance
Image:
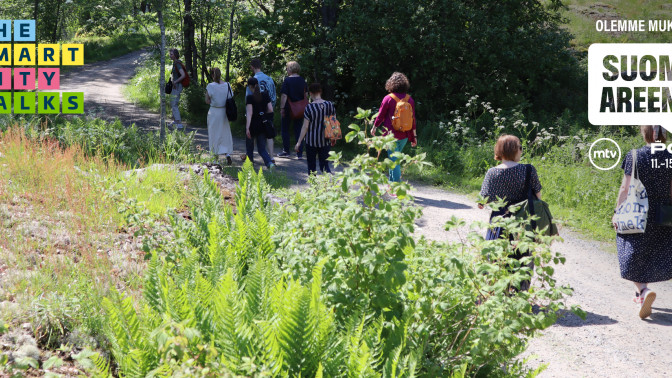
443,204
569,319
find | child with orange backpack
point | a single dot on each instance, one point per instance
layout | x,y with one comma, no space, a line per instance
397,115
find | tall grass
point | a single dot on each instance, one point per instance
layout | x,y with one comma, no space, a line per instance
63,234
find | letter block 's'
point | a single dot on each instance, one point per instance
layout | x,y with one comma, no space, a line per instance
24,102
73,103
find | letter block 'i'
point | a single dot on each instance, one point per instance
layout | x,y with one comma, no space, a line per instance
5,78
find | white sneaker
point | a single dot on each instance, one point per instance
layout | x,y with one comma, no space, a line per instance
646,298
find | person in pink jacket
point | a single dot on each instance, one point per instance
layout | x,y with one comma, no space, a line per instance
396,86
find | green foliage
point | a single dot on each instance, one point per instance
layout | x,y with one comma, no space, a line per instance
98,48
511,52
332,283
109,140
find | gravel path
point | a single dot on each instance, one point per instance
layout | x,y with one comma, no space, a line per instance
611,342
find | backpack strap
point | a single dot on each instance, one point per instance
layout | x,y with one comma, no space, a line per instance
407,97
394,97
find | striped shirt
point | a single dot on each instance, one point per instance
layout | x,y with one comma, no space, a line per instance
315,113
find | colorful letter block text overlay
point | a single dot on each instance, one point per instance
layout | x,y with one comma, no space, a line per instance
26,67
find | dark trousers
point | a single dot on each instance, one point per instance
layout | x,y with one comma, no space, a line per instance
321,153
296,124
261,148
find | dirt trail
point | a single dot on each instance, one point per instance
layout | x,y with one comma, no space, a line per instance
611,342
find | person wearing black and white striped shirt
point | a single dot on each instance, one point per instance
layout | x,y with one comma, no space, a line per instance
313,130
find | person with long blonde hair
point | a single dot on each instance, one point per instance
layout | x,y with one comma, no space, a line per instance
220,140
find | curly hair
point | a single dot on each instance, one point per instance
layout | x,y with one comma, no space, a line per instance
397,83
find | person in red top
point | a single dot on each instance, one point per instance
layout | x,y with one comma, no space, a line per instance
397,85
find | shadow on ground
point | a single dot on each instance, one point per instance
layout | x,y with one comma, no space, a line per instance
443,204
569,319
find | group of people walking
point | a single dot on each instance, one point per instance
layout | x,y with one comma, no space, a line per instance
302,113
644,257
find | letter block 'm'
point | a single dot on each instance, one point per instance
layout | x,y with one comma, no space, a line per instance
5,54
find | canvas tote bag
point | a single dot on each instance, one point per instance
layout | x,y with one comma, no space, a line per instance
631,215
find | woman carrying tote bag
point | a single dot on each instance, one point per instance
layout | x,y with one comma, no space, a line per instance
644,257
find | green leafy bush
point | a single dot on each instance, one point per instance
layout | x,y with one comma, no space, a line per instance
332,283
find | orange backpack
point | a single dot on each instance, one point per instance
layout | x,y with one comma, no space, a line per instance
332,128
403,114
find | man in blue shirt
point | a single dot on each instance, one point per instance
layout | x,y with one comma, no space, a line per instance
266,84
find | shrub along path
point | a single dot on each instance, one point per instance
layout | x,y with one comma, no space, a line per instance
611,342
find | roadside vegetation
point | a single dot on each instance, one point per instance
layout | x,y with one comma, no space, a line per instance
155,273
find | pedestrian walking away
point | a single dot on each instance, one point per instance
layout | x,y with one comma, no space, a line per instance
266,85
317,145
220,140
293,100
397,116
258,111
508,181
178,75
646,257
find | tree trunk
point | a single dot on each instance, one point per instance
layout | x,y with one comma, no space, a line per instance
228,54
189,31
54,35
329,18
162,71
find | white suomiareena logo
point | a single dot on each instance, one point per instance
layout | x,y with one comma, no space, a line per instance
604,153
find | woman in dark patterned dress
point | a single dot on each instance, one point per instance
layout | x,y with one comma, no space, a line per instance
507,180
647,257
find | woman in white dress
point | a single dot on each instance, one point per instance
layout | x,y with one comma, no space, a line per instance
219,130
